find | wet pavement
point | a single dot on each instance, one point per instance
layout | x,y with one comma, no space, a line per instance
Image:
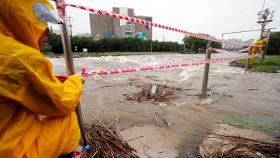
246,100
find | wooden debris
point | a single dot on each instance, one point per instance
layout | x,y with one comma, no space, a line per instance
133,79
249,148
226,141
106,142
161,121
163,93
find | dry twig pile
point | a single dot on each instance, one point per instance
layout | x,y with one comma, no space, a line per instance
163,93
106,142
247,148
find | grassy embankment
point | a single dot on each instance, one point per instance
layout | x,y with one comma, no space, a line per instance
271,64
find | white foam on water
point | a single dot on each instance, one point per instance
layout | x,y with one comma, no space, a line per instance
188,72
224,69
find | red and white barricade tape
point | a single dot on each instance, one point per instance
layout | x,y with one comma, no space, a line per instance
165,66
145,22
60,6
242,50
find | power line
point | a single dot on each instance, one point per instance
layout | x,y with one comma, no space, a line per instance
240,32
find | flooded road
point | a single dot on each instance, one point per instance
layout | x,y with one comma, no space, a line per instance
246,100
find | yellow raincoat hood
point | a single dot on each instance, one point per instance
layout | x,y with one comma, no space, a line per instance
28,89
19,21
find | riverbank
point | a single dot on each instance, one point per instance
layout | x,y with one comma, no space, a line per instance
271,64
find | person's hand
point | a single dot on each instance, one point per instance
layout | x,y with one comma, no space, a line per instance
81,76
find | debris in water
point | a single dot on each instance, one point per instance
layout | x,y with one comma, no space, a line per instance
231,142
134,138
156,93
106,142
133,79
161,121
153,89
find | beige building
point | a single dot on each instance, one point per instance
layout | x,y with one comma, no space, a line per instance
100,24
106,27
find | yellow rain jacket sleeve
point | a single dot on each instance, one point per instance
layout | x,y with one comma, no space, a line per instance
42,88
28,89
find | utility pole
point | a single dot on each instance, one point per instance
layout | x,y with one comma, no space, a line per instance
70,25
263,4
265,17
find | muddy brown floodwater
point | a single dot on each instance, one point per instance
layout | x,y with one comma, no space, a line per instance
246,100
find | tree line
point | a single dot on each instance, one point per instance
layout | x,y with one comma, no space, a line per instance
129,44
274,43
197,45
194,44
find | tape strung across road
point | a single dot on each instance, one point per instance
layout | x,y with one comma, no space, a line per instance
161,66
166,66
145,22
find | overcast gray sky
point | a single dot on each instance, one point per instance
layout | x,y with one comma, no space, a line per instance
200,16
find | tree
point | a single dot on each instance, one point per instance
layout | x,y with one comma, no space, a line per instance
274,43
83,42
217,45
47,48
195,44
198,45
129,44
56,44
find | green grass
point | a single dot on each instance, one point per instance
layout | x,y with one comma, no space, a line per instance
262,124
271,64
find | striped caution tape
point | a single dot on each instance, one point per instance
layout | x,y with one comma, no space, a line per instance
166,66
145,22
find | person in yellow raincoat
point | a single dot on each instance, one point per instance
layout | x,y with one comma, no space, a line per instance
28,89
257,48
